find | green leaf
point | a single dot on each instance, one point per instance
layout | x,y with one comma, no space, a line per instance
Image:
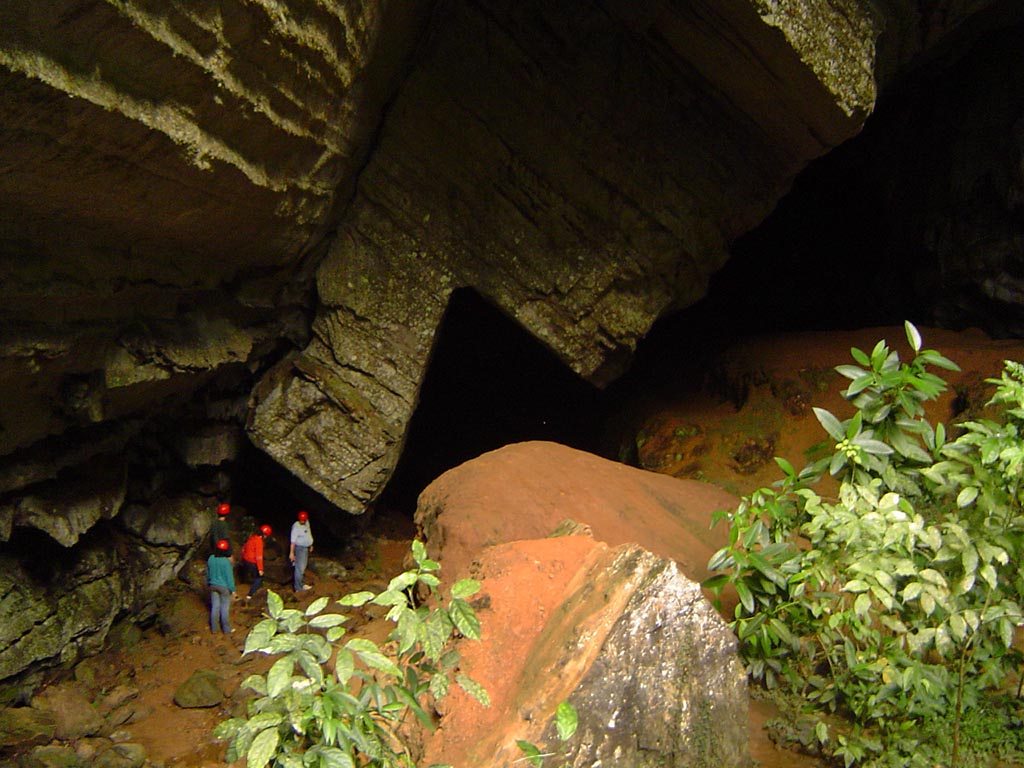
274,604
879,355
228,728
531,752
327,620
856,586
837,463
473,688
957,627
312,669
260,635
859,385
316,606
966,496
265,720
850,371
988,573
356,599
913,336
566,720
927,603
332,757
860,356
464,618
934,358
256,683
430,580
335,633
370,655
874,447
402,581
263,748
279,677
434,633
282,643
390,597
746,596
419,551
830,423
821,732
344,666
464,588
862,604
715,584
439,685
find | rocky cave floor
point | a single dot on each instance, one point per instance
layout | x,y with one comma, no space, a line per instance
726,441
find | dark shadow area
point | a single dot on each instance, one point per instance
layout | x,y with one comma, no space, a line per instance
916,218
912,219
489,384
268,494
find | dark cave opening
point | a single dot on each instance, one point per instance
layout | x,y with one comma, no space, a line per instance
489,383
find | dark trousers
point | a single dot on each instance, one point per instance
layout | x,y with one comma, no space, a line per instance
252,573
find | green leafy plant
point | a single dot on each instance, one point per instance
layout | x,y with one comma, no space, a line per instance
330,705
566,721
894,602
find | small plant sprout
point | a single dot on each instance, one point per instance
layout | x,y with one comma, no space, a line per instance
566,721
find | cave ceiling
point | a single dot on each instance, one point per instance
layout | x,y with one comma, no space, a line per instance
243,220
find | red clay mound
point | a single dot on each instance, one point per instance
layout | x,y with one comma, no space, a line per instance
525,490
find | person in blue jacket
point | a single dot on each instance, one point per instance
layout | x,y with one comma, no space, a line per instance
220,578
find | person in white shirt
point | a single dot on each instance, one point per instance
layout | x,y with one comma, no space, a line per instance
300,547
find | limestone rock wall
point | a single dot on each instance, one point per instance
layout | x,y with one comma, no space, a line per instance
165,168
583,167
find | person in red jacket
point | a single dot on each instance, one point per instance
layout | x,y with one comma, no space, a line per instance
252,558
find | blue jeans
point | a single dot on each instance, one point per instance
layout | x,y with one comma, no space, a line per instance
301,559
220,607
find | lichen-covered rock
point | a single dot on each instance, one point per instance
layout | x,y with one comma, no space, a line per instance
170,522
69,506
127,755
74,713
56,609
22,727
201,689
52,756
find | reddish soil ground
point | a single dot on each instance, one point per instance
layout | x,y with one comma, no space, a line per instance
701,436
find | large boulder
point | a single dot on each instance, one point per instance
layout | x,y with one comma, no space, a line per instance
619,633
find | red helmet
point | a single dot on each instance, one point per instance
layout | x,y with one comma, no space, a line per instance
265,530
224,545
223,509
303,516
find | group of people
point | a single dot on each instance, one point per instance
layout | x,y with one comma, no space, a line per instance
220,570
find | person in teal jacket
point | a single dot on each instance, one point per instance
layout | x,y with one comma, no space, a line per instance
220,578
